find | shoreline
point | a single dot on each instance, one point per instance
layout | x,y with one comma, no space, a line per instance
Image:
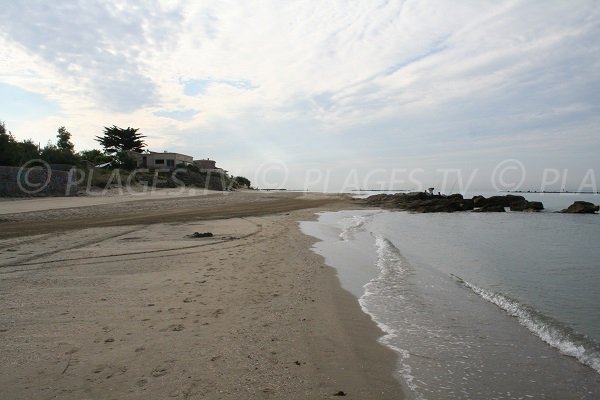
53,218
452,336
141,311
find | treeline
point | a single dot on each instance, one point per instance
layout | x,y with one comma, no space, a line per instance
116,143
16,153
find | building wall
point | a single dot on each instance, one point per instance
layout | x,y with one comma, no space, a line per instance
205,164
36,182
166,160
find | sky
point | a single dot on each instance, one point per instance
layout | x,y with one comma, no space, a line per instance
321,95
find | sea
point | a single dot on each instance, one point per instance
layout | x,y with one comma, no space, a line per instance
477,305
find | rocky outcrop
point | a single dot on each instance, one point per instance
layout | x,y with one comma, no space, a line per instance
427,203
524,205
421,202
491,208
581,207
515,203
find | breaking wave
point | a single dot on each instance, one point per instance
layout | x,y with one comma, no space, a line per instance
563,338
352,225
392,269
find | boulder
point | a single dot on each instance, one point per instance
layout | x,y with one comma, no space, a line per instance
479,201
197,235
495,201
581,207
524,205
468,204
428,203
421,202
516,203
491,208
536,205
435,205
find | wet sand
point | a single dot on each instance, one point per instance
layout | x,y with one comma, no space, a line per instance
115,301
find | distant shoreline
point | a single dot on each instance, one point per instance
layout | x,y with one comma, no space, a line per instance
499,191
546,192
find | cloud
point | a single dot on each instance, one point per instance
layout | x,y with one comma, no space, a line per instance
101,45
195,87
385,82
181,115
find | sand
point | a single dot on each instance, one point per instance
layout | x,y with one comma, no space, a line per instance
11,205
115,302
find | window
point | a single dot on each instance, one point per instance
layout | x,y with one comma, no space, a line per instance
159,161
170,163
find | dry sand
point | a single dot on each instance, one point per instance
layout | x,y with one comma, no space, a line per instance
112,302
11,205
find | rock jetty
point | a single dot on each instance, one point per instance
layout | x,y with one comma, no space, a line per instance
581,207
429,203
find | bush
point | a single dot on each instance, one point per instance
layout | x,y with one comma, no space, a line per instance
14,153
95,156
54,155
241,181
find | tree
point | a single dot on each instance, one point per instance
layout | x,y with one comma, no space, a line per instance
13,152
64,140
94,156
52,154
27,150
242,181
117,140
8,147
61,152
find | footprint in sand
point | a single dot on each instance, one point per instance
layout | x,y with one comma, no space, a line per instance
142,382
174,328
98,369
158,371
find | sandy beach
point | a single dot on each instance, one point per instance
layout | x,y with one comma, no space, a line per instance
115,301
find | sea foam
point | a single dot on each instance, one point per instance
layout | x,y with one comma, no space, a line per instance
550,331
391,267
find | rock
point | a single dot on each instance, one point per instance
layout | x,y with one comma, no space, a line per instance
519,205
524,205
468,204
200,235
496,201
492,208
426,203
536,205
581,207
516,203
421,202
479,201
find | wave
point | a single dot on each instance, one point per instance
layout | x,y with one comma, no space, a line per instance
352,225
563,338
392,268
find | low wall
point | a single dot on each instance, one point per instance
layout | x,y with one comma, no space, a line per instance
25,182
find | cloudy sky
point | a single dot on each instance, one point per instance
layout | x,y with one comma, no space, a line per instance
320,94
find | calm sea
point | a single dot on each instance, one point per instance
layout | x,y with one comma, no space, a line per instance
478,306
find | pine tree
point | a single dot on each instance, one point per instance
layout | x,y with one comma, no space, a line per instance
117,140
